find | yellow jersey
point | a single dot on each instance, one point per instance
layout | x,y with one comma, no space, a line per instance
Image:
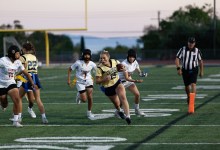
103,71
30,62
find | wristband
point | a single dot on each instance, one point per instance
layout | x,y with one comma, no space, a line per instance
178,68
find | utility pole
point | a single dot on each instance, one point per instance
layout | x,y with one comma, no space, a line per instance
158,19
214,30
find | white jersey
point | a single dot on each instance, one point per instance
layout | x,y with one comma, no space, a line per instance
129,67
8,70
83,70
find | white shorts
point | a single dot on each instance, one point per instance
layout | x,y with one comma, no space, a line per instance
127,83
82,84
19,83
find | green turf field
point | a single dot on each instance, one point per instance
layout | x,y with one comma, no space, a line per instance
165,126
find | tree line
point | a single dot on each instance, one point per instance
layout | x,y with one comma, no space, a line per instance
158,43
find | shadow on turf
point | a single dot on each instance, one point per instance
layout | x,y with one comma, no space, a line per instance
167,126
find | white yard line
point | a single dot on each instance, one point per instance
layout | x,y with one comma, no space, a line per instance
94,125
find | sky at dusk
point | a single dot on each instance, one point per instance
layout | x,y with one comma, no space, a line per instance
106,18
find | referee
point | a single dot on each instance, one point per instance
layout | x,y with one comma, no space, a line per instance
190,58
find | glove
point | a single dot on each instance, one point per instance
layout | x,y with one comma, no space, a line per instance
143,74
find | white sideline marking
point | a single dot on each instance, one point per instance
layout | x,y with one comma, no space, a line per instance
33,147
51,77
214,75
93,147
157,115
205,87
146,110
36,147
148,99
92,125
76,139
209,80
101,116
111,103
151,97
180,143
149,112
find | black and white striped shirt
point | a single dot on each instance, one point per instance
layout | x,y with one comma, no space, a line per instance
189,58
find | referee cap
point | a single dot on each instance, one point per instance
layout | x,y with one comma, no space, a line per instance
191,40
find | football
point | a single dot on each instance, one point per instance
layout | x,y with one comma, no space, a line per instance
120,67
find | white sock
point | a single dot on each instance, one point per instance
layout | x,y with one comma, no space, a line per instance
15,118
120,109
43,115
128,116
19,115
136,106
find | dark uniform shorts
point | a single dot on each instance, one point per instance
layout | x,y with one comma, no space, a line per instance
4,91
110,91
190,76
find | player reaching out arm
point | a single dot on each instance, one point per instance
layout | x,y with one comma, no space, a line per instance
130,66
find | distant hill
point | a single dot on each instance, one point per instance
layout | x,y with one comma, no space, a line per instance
97,44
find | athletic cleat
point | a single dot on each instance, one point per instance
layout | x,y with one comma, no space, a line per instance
128,120
19,119
120,114
78,101
3,109
139,113
45,121
116,114
17,124
90,115
31,112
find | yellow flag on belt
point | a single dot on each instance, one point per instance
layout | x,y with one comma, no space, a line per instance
73,83
19,77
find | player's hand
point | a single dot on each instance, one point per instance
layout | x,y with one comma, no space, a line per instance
143,74
34,87
139,81
107,78
179,72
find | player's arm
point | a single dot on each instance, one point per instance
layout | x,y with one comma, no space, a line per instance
29,78
201,68
138,70
68,75
177,62
130,79
99,77
94,69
